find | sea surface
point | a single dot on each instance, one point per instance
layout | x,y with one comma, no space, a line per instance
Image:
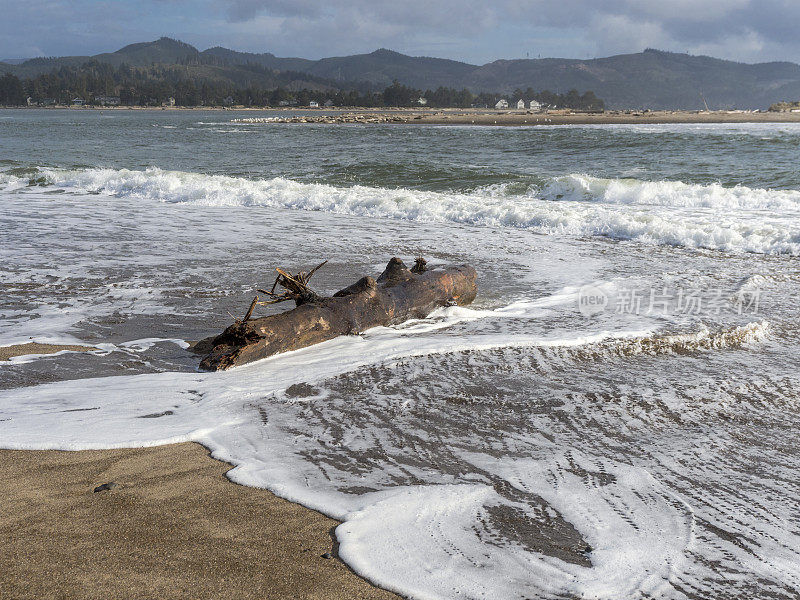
616,416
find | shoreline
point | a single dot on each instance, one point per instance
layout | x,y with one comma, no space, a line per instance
456,116
175,527
526,118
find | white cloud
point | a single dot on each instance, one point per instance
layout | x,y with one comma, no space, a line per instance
619,34
744,47
473,30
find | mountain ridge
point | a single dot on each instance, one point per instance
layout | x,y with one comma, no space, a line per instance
653,78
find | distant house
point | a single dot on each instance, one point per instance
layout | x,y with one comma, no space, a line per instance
502,103
168,102
283,103
29,101
227,101
422,101
77,102
328,103
313,104
534,105
521,104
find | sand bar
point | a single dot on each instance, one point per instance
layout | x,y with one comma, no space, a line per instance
523,118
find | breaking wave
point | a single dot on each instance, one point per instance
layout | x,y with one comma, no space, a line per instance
668,193
705,339
670,213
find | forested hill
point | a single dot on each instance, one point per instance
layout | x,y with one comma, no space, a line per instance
649,79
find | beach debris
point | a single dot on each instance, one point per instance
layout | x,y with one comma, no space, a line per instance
420,265
106,487
296,287
397,295
327,555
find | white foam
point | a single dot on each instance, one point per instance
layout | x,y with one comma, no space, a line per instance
639,534
639,531
672,213
668,193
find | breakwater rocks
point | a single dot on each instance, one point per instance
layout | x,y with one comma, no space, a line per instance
332,119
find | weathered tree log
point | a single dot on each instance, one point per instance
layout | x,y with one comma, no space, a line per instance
397,295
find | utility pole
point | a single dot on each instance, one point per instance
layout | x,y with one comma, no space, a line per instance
704,102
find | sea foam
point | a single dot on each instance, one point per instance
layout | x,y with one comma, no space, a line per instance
664,212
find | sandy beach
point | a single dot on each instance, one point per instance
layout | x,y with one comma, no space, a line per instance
460,116
525,118
174,528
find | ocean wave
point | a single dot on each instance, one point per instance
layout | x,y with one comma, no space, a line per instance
583,188
702,340
670,213
10,182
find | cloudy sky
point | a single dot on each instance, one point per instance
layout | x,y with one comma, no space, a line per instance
475,31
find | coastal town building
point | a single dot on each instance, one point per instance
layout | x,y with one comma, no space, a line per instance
77,102
521,104
502,103
313,104
534,105
422,101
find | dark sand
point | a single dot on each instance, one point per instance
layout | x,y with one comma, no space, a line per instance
175,528
8,352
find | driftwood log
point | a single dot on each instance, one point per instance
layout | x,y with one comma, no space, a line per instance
397,295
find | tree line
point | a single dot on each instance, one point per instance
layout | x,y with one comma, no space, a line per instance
94,82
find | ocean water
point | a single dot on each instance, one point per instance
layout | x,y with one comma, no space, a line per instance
616,416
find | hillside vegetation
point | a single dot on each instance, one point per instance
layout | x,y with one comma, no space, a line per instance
650,79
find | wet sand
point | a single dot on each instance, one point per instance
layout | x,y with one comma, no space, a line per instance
9,352
174,528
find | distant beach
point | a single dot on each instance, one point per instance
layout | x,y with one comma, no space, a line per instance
527,118
459,116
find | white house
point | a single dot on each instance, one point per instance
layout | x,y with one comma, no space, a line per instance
77,102
422,101
521,104
313,104
502,103
534,105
